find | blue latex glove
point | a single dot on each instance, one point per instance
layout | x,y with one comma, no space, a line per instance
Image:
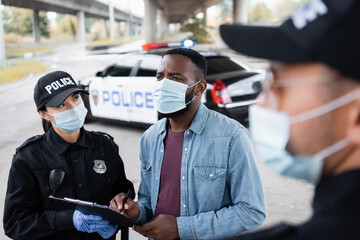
89,223
107,231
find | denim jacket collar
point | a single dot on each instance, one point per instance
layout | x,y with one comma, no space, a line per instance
197,125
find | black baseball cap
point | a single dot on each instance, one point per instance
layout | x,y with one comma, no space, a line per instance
53,88
326,31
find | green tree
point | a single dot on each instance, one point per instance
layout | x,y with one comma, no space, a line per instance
259,13
20,21
196,26
226,8
65,24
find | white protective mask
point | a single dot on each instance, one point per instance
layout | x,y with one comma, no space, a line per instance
270,131
72,119
169,96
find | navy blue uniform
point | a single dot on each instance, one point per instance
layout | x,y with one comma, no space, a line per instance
336,214
29,214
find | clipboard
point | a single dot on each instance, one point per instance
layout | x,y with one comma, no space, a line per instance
96,209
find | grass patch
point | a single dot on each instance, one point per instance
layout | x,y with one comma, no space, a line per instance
22,51
21,70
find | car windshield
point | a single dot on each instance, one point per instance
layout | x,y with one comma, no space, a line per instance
218,65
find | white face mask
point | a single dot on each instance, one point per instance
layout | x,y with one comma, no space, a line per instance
271,131
169,96
70,120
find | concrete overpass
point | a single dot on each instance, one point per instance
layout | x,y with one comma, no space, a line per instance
80,8
179,11
165,11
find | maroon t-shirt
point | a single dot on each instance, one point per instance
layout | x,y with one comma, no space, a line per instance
169,192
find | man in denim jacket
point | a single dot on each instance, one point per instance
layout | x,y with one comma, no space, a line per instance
199,179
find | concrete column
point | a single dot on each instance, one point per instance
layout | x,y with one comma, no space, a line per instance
81,31
36,26
105,31
149,21
131,25
131,29
240,11
2,41
112,21
163,25
204,11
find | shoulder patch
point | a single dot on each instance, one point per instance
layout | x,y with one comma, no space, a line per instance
103,134
28,141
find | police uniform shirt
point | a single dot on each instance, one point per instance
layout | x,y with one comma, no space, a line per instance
93,170
336,207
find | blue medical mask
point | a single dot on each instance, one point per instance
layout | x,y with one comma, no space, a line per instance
270,131
70,120
169,96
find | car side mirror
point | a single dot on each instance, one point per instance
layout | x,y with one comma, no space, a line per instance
99,74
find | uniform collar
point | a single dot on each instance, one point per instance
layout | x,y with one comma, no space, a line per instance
60,145
338,193
197,125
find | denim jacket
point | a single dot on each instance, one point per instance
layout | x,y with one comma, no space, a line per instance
221,190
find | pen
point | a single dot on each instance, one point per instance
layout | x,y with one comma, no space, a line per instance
128,194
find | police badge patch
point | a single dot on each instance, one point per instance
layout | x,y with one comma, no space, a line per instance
99,166
95,96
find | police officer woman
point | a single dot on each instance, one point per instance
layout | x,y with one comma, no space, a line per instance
66,161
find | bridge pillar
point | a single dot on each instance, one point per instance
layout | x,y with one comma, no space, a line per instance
2,41
163,25
81,31
204,11
112,20
149,21
36,26
104,29
240,11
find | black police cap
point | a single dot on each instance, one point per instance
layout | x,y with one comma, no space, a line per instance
53,88
326,31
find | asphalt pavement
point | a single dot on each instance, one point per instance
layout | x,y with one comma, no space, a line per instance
286,199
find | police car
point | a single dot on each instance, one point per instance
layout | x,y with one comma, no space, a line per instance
123,91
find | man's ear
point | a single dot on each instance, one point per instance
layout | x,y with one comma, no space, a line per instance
354,124
44,115
201,88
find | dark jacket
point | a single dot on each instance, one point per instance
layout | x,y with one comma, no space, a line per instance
336,207
29,214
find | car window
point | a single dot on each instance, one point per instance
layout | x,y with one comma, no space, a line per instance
117,71
143,72
148,66
221,65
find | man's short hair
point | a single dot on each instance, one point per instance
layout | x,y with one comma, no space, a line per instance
195,57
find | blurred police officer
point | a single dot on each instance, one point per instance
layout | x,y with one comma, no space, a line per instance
66,161
307,122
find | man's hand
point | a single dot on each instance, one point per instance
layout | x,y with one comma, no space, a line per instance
163,227
131,208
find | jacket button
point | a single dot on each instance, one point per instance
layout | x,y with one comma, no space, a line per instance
184,205
80,185
211,175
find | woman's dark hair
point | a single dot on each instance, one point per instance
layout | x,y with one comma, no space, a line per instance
45,124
